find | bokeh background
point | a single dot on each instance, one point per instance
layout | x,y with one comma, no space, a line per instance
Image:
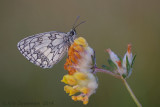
110,24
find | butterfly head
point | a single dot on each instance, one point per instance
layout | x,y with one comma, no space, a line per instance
72,33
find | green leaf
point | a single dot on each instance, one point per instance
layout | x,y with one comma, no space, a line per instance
130,72
133,61
112,64
106,67
124,76
120,58
93,59
128,65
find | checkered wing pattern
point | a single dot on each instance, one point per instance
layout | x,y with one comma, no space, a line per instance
44,49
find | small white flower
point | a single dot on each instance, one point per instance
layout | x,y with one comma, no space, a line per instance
123,68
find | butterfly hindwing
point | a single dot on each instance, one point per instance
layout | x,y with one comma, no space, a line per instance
44,49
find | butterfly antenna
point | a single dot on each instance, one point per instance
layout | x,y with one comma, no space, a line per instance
76,21
79,24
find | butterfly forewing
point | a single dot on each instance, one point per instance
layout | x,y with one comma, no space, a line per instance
44,49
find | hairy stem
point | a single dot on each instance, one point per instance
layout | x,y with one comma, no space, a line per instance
131,93
106,71
124,81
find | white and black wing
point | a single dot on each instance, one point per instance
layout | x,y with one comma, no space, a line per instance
44,49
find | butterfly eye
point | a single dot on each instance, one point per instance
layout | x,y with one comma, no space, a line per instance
72,32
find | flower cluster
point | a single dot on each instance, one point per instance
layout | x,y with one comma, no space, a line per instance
80,77
123,67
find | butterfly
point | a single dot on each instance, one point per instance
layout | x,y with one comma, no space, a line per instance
48,48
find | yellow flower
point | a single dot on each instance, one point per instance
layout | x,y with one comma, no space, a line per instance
67,88
69,79
80,78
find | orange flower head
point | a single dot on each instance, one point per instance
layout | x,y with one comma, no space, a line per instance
80,78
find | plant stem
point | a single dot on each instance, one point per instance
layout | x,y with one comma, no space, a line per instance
106,71
131,93
124,81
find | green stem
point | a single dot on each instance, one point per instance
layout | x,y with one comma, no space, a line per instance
124,81
131,93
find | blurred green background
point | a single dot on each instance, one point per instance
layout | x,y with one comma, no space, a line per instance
110,24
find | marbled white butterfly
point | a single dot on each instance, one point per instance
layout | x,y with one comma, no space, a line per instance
47,49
